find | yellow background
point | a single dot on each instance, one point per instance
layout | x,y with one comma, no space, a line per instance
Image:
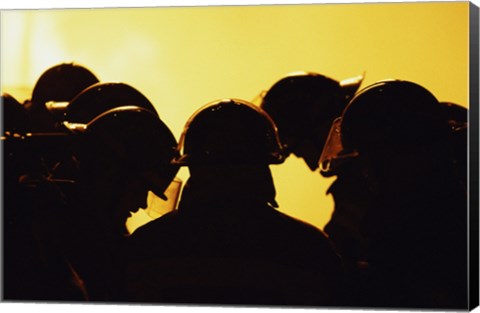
181,58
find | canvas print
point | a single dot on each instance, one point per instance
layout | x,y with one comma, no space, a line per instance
291,156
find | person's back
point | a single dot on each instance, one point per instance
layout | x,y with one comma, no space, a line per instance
246,253
226,244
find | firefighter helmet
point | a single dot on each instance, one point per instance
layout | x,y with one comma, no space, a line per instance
301,102
102,97
390,115
140,139
229,131
61,83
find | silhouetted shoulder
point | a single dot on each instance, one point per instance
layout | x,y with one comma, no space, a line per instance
149,238
300,224
306,236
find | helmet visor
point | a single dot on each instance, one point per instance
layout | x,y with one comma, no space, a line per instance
158,206
334,153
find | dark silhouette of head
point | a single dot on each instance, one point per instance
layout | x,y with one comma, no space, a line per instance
228,145
396,133
379,146
388,118
125,152
303,106
62,82
59,83
392,115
